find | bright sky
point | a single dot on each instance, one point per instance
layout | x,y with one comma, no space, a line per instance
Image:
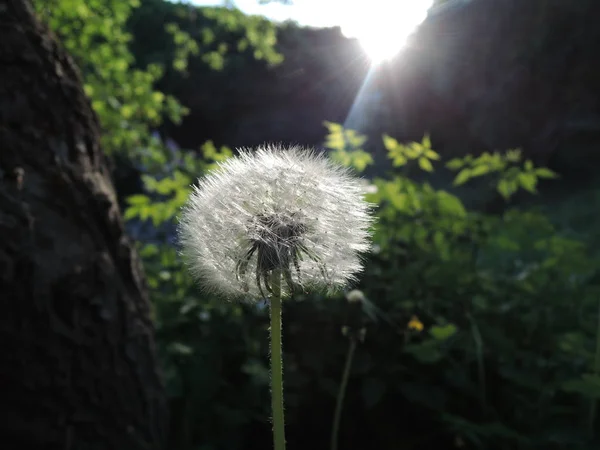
381,26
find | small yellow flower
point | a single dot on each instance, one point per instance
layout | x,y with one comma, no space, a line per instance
415,324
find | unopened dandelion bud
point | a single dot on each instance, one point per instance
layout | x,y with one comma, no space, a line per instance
362,334
355,296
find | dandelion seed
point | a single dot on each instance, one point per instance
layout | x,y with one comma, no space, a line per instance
290,210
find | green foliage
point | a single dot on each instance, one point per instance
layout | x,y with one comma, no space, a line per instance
124,97
505,299
482,328
167,191
216,36
185,47
199,336
488,323
401,154
346,147
515,273
257,33
505,345
122,89
510,177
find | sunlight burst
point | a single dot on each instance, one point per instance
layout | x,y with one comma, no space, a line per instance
383,26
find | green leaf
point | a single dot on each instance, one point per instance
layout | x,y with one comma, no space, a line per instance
130,213
399,201
443,332
342,157
149,250
335,141
426,142
455,164
513,155
441,244
425,164
543,172
354,139
427,352
389,142
360,160
506,187
333,127
462,177
528,181
413,150
432,155
479,170
450,205
138,199
398,160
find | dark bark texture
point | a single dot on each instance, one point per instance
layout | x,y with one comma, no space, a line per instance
78,367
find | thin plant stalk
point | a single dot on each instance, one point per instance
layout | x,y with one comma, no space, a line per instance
341,394
480,362
277,364
593,405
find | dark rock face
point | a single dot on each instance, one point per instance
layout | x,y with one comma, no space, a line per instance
519,74
478,75
250,104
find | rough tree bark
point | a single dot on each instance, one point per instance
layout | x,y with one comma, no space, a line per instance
78,368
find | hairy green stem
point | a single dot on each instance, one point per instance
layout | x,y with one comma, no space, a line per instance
277,364
341,394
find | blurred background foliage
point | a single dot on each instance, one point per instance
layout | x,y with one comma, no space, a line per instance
482,309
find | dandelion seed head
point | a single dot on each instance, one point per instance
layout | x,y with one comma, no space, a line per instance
289,209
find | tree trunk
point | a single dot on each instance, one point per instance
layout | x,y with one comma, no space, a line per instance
78,367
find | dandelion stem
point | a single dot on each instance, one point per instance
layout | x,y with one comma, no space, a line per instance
276,363
341,394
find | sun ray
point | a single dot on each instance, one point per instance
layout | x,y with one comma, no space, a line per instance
383,26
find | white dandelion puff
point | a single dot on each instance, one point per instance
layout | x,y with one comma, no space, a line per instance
290,210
